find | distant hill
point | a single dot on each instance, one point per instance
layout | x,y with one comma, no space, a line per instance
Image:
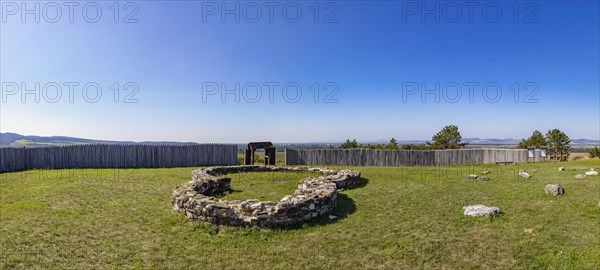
481,142
492,141
586,142
478,141
17,140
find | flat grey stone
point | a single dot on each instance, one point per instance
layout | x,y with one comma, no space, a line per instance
480,210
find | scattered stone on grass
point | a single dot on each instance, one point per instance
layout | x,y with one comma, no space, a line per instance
485,172
580,176
480,210
483,178
561,169
332,217
554,189
473,176
524,174
591,173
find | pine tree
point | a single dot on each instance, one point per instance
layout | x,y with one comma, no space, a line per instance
448,138
558,143
349,144
393,144
536,140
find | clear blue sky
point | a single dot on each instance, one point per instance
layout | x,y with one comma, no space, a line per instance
369,55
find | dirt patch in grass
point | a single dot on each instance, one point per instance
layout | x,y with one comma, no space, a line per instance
579,156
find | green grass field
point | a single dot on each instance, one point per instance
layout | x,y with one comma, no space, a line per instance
24,142
259,158
402,218
264,186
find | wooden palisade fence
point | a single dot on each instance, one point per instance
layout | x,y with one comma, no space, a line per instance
117,156
373,157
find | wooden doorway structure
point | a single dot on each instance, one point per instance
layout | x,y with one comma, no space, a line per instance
269,152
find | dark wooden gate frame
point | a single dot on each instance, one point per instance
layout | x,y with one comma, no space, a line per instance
269,152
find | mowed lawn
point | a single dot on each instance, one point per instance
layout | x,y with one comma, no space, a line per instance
401,218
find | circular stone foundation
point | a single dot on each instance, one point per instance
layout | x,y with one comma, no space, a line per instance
315,196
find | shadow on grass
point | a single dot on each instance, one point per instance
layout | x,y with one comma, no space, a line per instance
485,219
344,208
363,183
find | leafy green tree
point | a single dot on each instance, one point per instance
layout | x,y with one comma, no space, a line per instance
595,152
378,146
421,146
349,144
558,144
407,147
448,138
523,144
536,140
393,144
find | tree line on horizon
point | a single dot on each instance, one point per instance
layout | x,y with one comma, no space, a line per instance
448,138
556,141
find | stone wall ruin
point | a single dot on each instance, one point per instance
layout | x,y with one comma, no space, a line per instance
314,196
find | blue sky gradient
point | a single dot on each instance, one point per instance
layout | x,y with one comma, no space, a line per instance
368,51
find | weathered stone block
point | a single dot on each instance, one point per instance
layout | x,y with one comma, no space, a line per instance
480,210
554,190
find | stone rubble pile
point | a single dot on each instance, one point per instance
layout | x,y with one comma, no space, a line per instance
314,196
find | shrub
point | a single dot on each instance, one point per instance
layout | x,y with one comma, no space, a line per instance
595,152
